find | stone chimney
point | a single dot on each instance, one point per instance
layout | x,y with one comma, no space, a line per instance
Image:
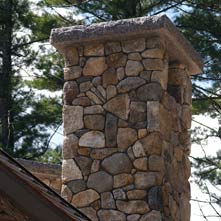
127,112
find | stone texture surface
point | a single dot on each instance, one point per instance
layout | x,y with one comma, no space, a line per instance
136,45
145,180
90,212
107,201
111,130
92,139
133,206
100,181
94,50
116,60
133,68
94,66
126,137
72,73
117,163
76,185
130,144
119,106
70,91
94,122
70,146
111,215
129,83
70,171
85,198
72,118
109,77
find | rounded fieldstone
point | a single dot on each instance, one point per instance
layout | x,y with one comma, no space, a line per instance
117,163
85,198
133,68
94,66
77,185
92,139
100,181
152,216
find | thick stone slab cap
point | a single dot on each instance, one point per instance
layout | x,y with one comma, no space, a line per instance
178,48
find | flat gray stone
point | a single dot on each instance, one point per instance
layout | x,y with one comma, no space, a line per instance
117,163
111,130
100,181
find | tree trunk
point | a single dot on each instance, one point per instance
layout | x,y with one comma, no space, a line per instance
7,142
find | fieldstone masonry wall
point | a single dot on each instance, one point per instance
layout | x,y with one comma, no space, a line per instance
127,111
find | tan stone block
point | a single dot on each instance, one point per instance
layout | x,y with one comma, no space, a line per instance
109,77
122,180
136,194
155,42
116,60
119,106
112,47
153,53
152,143
85,198
141,164
72,118
72,73
161,77
93,139
94,50
85,86
134,217
133,68
93,97
120,73
135,45
156,163
70,91
94,122
70,146
71,56
134,56
126,137
94,66
142,133
66,193
153,64
145,180
111,91
94,109
100,154
133,206
70,171
85,151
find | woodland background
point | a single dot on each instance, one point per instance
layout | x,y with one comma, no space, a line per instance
31,75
